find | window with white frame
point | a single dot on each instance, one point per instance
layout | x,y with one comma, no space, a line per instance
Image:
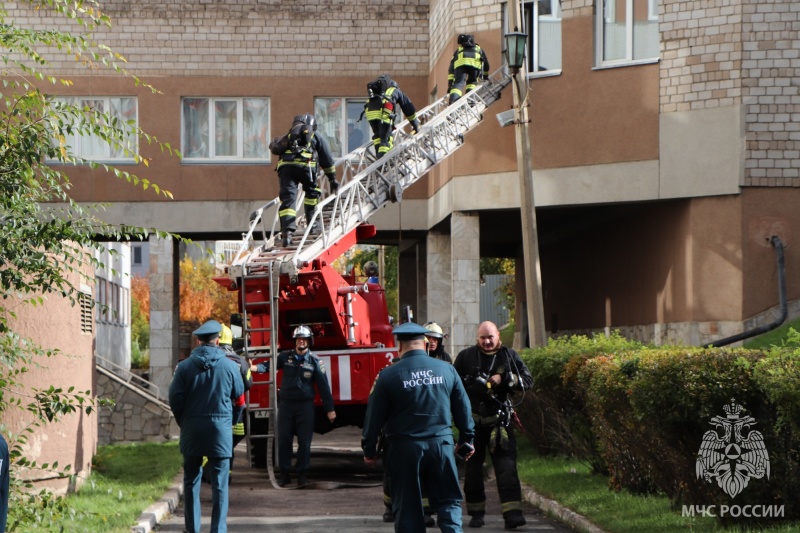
339,120
225,129
627,32
542,23
123,110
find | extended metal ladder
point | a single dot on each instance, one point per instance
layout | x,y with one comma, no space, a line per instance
269,412
367,185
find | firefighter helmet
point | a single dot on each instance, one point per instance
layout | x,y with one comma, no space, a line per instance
465,39
434,330
226,335
302,332
370,268
307,119
379,85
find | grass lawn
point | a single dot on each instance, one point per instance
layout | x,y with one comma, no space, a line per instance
774,337
573,485
125,480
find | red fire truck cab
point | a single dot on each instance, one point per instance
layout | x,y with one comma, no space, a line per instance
352,336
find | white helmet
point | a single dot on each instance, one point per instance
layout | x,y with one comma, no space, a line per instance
302,331
434,330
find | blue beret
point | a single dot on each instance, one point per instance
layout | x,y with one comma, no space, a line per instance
211,327
409,331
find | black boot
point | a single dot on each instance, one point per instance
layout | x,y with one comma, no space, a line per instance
476,520
388,516
514,519
286,239
284,480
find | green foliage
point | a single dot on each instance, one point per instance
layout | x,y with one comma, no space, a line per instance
48,239
504,293
775,337
650,409
640,413
554,416
359,255
140,327
125,479
574,485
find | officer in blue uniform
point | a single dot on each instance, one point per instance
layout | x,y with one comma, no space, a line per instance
415,402
302,370
4,483
202,395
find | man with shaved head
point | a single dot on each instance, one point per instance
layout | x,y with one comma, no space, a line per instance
492,373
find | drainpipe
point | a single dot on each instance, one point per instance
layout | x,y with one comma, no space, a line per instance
776,242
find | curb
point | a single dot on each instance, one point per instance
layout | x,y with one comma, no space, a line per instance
155,513
557,510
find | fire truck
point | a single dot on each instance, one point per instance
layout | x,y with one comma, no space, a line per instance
280,288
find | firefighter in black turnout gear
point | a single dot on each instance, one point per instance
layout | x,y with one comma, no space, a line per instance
492,373
436,338
301,153
381,111
302,372
467,66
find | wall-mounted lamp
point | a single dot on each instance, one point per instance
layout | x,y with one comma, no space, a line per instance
515,49
506,118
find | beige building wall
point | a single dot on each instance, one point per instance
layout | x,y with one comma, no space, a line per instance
56,325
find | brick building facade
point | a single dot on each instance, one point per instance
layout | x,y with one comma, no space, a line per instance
663,139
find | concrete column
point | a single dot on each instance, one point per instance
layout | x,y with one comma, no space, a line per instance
465,276
164,311
438,283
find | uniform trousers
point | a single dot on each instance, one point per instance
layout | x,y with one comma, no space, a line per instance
465,79
505,468
290,178
295,418
382,138
432,462
218,469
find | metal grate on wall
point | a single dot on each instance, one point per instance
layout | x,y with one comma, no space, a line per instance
85,300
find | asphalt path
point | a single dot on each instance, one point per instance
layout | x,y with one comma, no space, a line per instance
343,495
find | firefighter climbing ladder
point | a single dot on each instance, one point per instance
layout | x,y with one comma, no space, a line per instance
367,185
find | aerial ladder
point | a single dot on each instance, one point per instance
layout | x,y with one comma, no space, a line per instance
341,311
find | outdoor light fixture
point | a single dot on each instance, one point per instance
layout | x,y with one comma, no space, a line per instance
506,118
515,49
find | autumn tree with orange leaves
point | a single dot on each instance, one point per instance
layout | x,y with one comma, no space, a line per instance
201,298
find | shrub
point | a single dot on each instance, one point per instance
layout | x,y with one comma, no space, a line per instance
651,409
554,417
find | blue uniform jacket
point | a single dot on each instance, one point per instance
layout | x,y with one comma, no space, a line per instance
202,395
4,482
300,374
417,397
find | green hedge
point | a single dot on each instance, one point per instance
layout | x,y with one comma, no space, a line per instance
554,417
640,414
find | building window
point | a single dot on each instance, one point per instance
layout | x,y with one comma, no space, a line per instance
85,300
225,129
627,32
542,23
338,119
93,148
137,255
